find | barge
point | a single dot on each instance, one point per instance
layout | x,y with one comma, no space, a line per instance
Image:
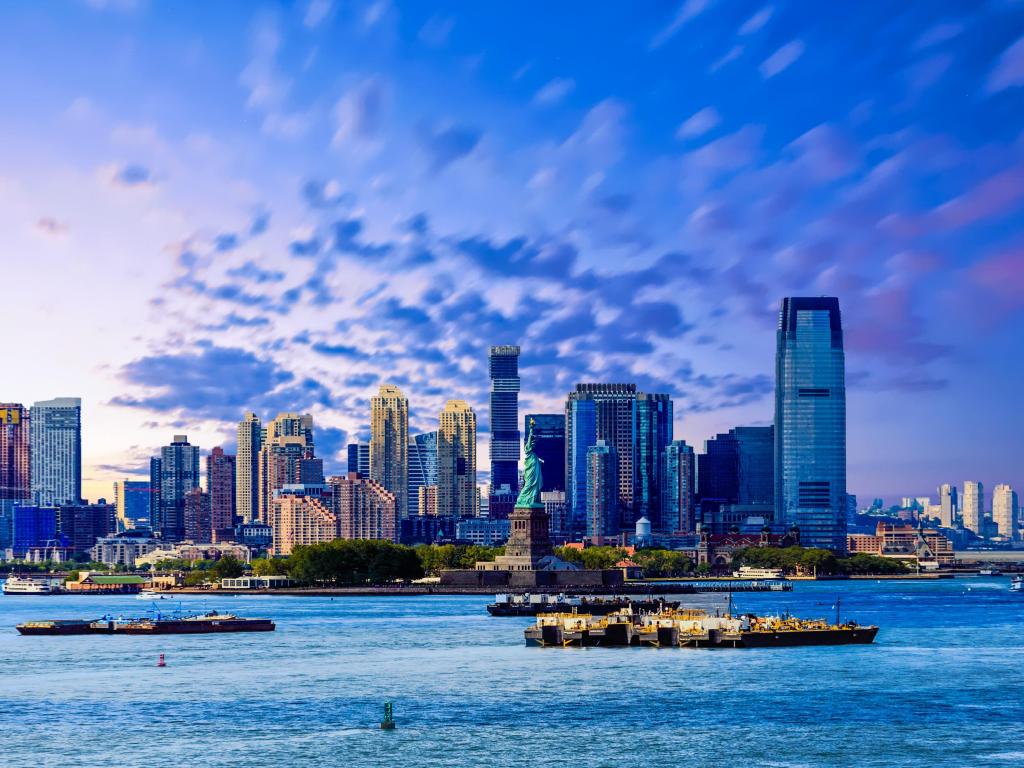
690,628
206,623
533,605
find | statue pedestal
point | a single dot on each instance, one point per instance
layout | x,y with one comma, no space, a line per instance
529,539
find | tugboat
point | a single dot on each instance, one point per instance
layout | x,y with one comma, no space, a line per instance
532,605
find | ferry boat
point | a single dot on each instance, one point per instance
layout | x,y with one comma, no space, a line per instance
532,605
750,572
207,623
27,585
1017,585
691,629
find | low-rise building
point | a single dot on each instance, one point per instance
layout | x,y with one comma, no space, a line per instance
919,546
483,531
91,581
125,548
192,551
256,582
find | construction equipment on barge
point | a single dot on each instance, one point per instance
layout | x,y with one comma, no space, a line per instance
690,628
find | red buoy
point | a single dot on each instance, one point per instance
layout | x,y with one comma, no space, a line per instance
161,662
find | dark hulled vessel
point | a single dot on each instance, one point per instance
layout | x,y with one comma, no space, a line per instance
207,623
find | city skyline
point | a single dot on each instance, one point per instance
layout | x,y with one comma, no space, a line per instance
230,230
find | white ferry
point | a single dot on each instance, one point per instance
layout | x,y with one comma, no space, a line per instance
26,585
749,572
1017,584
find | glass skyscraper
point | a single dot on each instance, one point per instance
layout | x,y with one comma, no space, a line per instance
810,421
677,488
549,445
504,369
178,468
653,436
56,451
602,491
422,467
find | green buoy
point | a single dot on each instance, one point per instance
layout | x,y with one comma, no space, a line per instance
388,723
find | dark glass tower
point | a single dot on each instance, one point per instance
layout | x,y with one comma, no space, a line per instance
504,369
653,436
810,421
549,445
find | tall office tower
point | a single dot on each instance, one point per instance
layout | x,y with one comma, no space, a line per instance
422,468
653,436
557,511
549,445
179,474
291,425
1004,510
365,509
131,500
810,422
972,507
221,472
599,412
15,482
247,467
603,517
504,368
678,470
456,460
359,459
298,517
737,467
949,507
81,524
56,450
285,460
198,526
389,443
155,473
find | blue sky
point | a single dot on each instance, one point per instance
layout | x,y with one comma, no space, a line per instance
211,208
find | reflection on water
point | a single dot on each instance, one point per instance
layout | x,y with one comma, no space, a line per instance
940,687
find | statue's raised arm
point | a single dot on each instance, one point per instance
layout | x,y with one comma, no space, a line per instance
529,495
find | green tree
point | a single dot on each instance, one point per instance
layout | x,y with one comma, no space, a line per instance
273,566
227,567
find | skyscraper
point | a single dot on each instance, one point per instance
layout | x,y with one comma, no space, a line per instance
653,436
504,369
358,459
422,467
247,462
599,412
389,443
549,445
286,458
949,507
178,474
221,473
198,527
678,470
364,509
1004,510
56,451
603,517
132,502
810,421
15,485
737,467
456,460
972,507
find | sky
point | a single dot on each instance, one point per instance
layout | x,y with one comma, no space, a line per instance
211,208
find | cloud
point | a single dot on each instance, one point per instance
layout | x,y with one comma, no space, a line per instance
359,113
782,59
1002,277
436,31
938,34
997,196
48,225
554,91
316,12
699,123
447,143
757,21
131,175
249,270
1009,70
730,56
690,9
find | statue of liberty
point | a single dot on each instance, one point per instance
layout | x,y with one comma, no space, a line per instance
529,496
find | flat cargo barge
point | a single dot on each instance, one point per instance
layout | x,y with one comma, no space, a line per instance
207,623
690,629
533,605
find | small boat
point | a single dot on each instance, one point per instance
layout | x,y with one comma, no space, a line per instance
148,594
1017,585
990,571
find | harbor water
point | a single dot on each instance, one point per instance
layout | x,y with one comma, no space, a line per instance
941,686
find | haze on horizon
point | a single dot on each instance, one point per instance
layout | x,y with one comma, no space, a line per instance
207,209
